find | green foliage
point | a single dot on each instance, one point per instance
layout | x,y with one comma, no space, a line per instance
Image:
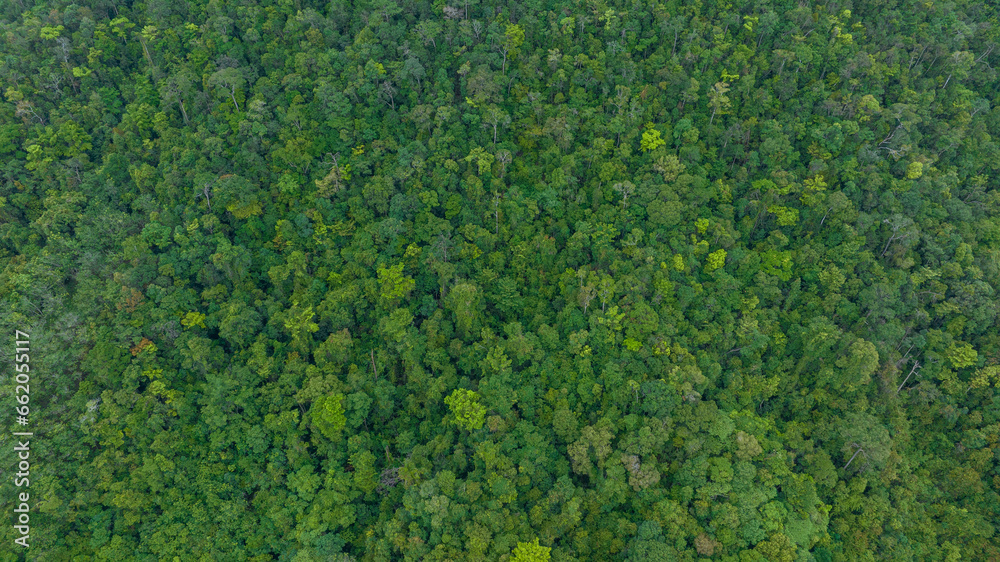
465,409
786,216
986,376
914,170
651,140
51,32
393,285
716,260
961,354
859,363
530,552
701,225
678,262
193,319
258,245
482,159
328,415
299,322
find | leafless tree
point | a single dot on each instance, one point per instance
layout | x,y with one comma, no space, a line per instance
504,157
898,223
860,450
388,91
55,81
64,43
495,117
626,188
586,295
916,365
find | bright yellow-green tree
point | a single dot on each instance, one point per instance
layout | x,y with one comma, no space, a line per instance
716,260
468,413
651,140
531,552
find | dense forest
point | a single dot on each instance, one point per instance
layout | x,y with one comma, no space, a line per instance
512,281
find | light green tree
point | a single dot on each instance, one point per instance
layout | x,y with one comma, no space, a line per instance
961,355
787,216
715,260
299,323
651,139
465,407
718,99
192,319
51,32
328,415
393,285
531,552
482,158
463,300
511,43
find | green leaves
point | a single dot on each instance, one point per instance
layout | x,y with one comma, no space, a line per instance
393,327
858,364
365,476
299,322
715,260
718,99
786,216
482,159
769,339
393,285
531,552
51,32
651,140
466,411
463,299
961,354
120,25
328,415
193,319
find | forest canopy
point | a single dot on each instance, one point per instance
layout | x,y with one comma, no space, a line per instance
510,281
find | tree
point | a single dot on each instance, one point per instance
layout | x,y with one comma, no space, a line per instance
328,415
299,322
482,158
393,285
465,409
509,46
858,364
495,117
428,31
626,188
864,435
239,324
651,139
718,100
594,444
530,552
961,354
175,89
229,81
716,260
463,300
